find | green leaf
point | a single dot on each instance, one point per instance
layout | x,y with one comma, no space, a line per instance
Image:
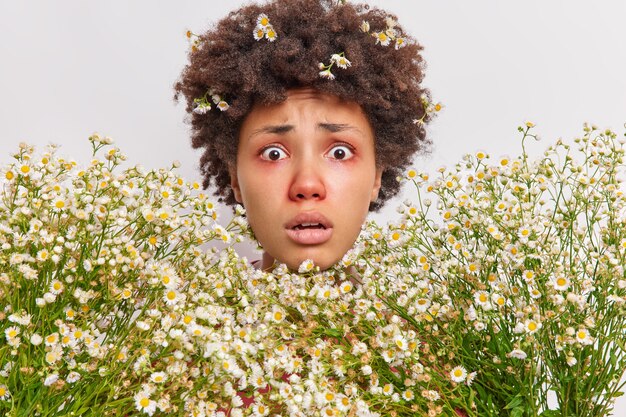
514,403
517,412
551,413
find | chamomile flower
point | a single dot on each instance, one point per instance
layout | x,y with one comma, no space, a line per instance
263,21
258,33
306,266
482,298
583,337
278,315
222,105
11,332
158,377
4,392
458,374
144,403
400,43
56,287
518,354
560,282
382,38
531,326
171,296
340,60
264,29
408,395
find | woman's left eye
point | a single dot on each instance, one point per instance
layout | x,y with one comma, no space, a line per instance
341,152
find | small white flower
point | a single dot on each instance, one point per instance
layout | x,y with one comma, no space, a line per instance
341,61
72,377
4,392
36,339
144,403
158,377
571,360
51,379
306,266
518,354
583,336
531,326
327,74
458,374
222,105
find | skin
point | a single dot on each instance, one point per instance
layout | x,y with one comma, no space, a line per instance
307,158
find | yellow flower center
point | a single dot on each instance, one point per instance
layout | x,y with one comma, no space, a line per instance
144,402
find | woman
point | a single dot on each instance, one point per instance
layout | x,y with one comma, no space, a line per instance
307,111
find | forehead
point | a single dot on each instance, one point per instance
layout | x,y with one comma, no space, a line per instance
304,104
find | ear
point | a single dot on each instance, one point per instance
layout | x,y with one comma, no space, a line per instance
377,182
234,184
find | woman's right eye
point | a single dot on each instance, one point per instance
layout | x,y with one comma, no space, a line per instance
273,153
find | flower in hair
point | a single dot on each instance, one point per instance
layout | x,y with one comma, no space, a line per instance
335,59
203,104
382,38
264,29
385,37
194,40
429,107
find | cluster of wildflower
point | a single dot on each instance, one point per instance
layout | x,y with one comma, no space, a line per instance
532,257
203,104
85,252
339,59
264,29
515,284
387,36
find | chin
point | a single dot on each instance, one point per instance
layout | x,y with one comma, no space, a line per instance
323,262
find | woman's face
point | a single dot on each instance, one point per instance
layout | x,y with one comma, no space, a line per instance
306,174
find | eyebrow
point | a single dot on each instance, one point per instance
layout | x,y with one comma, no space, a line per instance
282,129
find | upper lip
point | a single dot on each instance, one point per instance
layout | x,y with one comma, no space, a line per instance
309,218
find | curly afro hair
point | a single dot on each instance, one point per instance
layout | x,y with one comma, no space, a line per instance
383,80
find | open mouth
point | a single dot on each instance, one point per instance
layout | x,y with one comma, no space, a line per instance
309,228
305,226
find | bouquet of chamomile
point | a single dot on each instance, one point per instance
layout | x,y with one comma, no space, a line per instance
499,291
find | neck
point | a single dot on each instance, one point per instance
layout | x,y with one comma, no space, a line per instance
267,262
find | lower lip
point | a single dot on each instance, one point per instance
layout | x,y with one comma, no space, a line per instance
310,236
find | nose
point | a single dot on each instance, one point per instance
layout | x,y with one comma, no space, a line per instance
307,183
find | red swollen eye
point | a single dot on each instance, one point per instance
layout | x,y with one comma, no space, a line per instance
273,153
341,152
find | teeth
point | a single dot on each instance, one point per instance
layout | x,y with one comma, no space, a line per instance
308,225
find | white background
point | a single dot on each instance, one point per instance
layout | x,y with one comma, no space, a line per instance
70,68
